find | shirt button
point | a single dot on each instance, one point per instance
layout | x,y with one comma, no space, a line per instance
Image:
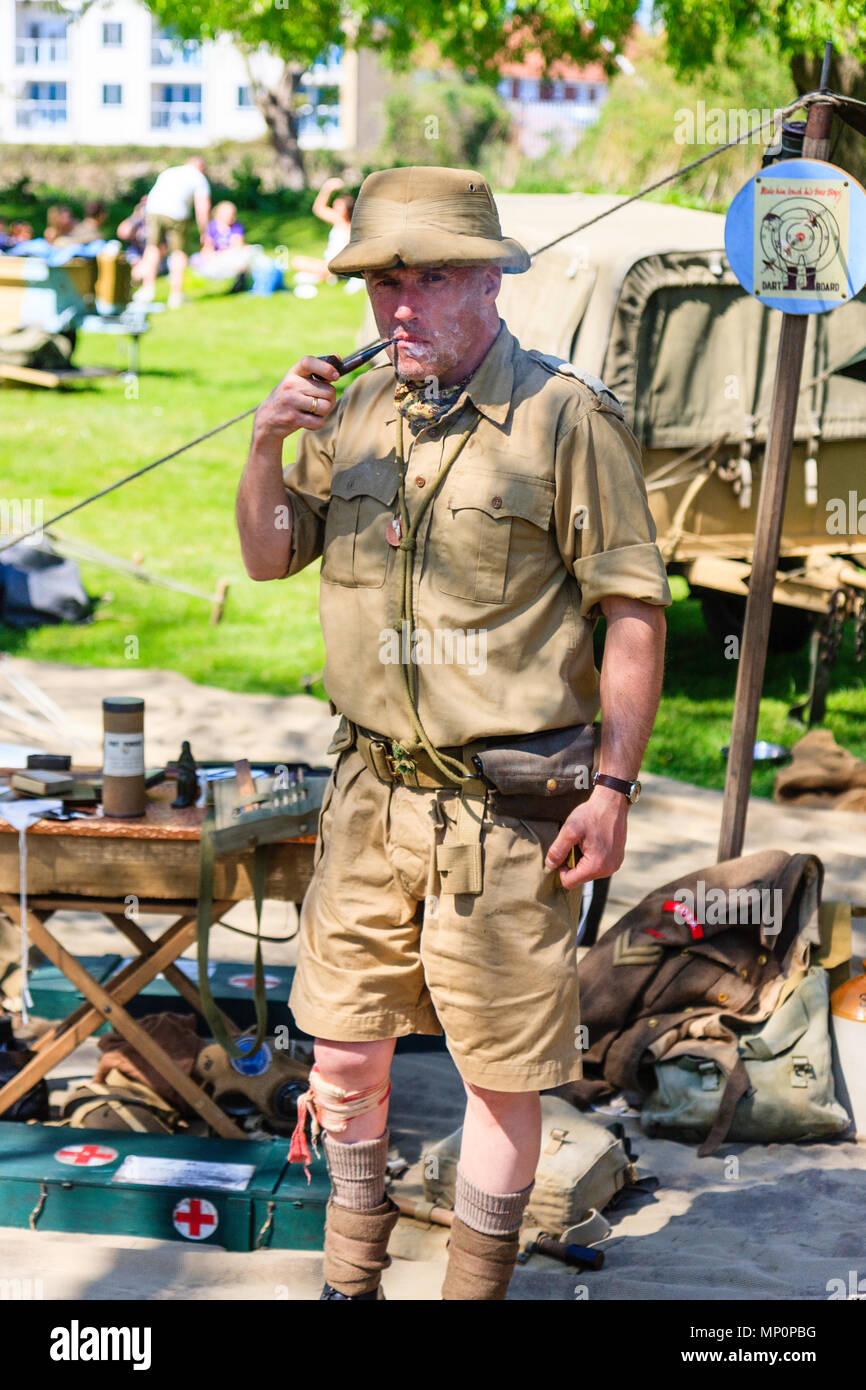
497,501
551,784
419,481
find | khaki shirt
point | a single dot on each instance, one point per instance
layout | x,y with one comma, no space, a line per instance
506,586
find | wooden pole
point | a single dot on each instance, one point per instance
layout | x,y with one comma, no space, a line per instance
768,531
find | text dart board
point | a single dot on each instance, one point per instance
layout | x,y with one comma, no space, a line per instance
795,236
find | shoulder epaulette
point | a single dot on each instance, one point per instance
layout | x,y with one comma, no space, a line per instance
558,366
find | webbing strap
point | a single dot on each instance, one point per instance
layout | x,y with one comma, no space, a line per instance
449,767
460,863
205,915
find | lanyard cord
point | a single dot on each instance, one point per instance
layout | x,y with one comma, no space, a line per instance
449,767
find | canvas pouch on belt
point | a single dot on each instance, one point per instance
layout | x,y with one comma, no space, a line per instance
540,776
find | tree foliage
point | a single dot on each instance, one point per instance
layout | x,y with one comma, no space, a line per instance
477,35
697,29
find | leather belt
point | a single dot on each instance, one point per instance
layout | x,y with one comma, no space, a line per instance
388,762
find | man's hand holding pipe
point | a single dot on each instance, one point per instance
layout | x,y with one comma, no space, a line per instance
298,402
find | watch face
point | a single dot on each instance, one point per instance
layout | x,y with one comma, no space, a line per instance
634,793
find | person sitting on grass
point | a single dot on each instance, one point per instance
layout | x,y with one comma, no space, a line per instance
92,225
59,225
339,215
19,232
224,231
224,254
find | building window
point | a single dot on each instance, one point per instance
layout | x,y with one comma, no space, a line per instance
515,88
245,96
40,48
112,94
591,93
176,105
42,105
570,92
545,91
112,35
167,50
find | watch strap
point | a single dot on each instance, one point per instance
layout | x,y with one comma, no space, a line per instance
616,784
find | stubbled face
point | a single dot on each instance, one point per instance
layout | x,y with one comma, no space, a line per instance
444,318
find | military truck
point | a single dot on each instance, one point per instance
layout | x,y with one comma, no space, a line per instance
646,300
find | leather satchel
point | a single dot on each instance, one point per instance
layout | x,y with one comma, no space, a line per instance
540,776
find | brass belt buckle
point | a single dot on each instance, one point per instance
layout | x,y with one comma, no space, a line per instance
399,762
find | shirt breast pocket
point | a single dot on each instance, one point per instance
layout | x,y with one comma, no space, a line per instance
492,535
355,550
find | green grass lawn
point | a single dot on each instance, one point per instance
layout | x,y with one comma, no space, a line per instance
199,366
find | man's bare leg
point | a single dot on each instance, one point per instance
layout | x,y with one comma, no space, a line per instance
149,266
360,1216
501,1138
498,1159
176,269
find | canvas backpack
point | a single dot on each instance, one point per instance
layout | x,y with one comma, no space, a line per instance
788,1061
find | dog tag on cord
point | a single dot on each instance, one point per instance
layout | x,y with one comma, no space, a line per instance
394,531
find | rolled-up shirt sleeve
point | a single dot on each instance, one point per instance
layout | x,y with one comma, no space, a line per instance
308,491
604,527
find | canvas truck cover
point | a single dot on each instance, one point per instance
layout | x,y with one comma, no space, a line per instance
646,300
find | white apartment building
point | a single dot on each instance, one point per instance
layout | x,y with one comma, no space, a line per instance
108,74
558,107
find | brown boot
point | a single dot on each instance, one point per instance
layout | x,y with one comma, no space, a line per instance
479,1266
356,1246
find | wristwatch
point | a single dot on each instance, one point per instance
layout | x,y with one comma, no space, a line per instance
630,790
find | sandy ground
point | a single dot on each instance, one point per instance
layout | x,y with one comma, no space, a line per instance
771,1222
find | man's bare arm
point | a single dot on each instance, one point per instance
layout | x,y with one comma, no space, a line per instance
266,547
631,684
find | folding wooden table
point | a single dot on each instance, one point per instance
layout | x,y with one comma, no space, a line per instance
121,868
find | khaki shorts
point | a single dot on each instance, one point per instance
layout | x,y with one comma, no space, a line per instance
383,952
175,232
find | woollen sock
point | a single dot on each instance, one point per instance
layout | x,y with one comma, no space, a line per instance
357,1171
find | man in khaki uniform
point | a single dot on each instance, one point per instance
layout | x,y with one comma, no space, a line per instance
475,514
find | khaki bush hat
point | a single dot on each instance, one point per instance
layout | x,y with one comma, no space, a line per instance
424,216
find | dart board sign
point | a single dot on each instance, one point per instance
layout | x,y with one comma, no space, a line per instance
795,236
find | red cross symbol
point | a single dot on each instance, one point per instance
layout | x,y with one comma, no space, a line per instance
249,981
84,1155
195,1218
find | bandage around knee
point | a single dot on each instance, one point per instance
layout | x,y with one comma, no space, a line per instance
330,1108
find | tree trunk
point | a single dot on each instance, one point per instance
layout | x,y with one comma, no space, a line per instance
848,78
279,106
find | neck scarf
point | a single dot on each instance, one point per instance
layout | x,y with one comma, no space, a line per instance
421,404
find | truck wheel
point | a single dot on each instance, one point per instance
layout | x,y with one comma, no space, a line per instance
724,615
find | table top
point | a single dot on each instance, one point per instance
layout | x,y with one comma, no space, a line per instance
161,821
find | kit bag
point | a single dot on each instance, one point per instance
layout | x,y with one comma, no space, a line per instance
583,1165
788,1061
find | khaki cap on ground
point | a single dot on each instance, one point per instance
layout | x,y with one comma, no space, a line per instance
423,216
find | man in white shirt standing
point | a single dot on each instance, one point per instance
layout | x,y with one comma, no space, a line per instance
177,194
